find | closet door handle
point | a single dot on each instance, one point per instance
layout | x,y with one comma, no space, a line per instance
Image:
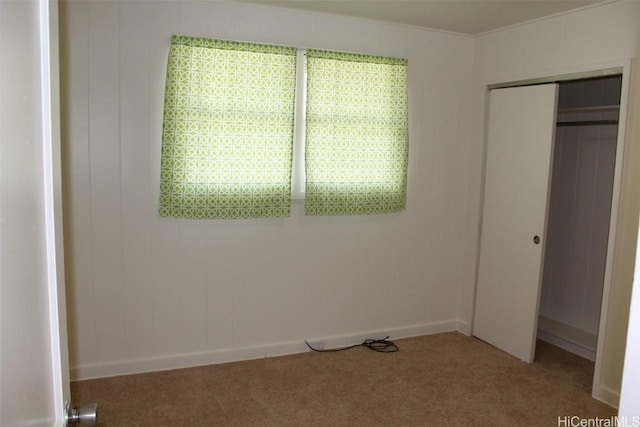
536,239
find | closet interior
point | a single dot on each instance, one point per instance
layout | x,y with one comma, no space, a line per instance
584,160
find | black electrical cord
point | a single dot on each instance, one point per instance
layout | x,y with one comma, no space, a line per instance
381,346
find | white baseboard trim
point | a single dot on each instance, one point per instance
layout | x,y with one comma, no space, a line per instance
567,345
184,360
567,337
187,360
606,395
463,327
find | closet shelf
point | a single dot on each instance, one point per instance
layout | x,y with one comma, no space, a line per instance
587,123
596,109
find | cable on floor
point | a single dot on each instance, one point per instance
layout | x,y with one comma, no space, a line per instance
381,346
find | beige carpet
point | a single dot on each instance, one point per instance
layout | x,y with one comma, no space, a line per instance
446,379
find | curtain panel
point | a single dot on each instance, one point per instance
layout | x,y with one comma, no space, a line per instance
227,137
357,134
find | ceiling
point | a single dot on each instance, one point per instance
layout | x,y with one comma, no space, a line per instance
461,16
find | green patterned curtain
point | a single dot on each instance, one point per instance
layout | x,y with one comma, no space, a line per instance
228,130
357,134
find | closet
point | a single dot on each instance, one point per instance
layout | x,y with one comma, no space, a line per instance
579,211
549,171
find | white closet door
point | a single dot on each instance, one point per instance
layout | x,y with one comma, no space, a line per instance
518,173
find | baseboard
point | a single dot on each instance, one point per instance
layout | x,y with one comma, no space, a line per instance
567,337
606,395
567,345
394,333
463,327
186,360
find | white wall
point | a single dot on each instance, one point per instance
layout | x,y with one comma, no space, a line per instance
146,292
578,226
590,39
26,369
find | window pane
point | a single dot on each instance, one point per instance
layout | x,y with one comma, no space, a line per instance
356,134
228,130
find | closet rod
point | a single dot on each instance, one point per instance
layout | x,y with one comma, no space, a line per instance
588,123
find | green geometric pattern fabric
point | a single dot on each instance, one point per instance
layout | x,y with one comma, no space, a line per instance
228,129
357,134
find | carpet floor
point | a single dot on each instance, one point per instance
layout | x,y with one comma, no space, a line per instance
444,379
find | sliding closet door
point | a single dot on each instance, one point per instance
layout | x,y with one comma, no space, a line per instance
518,171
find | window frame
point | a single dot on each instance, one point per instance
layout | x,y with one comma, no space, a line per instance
298,168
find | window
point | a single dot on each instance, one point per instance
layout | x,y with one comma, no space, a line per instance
356,134
228,132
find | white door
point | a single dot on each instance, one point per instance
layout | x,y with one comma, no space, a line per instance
518,173
33,345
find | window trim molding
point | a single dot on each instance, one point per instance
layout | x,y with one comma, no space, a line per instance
298,172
